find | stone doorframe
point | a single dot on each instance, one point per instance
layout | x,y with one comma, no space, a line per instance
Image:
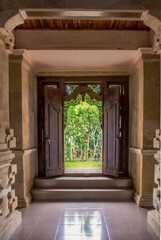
85,78
143,103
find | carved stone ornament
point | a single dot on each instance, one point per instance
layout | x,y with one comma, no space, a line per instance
7,39
14,22
153,23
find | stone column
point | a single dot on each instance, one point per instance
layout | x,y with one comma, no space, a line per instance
23,119
144,120
9,217
154,215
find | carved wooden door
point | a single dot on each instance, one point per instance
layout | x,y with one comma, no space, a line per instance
53,132
111,131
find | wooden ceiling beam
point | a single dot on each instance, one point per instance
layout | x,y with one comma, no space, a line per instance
76,24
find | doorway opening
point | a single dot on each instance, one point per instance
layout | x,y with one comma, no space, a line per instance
83,134
85,101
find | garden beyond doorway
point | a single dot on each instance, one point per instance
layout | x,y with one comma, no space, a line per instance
83,135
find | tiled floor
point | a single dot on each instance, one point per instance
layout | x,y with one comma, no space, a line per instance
84,221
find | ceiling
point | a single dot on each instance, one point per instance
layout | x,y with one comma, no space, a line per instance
49,60
62,60
82,24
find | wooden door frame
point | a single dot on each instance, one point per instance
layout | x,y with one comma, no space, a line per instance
59,81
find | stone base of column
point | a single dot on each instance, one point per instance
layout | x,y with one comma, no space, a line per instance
143,201
25,201
154,221
9,225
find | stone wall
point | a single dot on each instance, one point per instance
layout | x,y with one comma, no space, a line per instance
144,117
9,217
154,215
23,119
4,107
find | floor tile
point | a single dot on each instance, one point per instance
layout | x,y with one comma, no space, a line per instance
155,236
74,212
19,237
92,212
96,237
30,220
134,219
82,237
140,228
41,237
126,236
91,230
51,213
121,228
24,230
68,237
70,229
84,221
90,220
78,220
144,236
110,220
48,220
44,229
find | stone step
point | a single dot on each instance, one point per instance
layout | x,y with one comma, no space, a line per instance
82,182
116,195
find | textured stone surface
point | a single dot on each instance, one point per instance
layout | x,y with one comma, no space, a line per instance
144,119
9,225
23,119
136,105
4,101
154,215
9,218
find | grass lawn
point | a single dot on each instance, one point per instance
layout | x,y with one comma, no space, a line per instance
83,164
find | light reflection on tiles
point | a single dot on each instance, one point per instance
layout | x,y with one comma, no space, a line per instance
124,221
84,224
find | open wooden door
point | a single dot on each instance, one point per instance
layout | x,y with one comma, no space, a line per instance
53,132
111,131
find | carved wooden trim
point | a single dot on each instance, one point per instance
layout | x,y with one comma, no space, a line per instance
107,109
82,90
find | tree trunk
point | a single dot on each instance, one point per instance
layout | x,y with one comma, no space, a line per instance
71,152
73,143
94,146
88,143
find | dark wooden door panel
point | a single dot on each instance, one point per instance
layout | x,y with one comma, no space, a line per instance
111,131
53,130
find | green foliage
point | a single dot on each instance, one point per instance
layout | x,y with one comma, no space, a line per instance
83,164
83,133
71,88
96,88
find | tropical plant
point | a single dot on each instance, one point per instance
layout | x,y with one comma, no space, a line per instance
83,133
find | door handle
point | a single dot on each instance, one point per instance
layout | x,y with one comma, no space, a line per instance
47,139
